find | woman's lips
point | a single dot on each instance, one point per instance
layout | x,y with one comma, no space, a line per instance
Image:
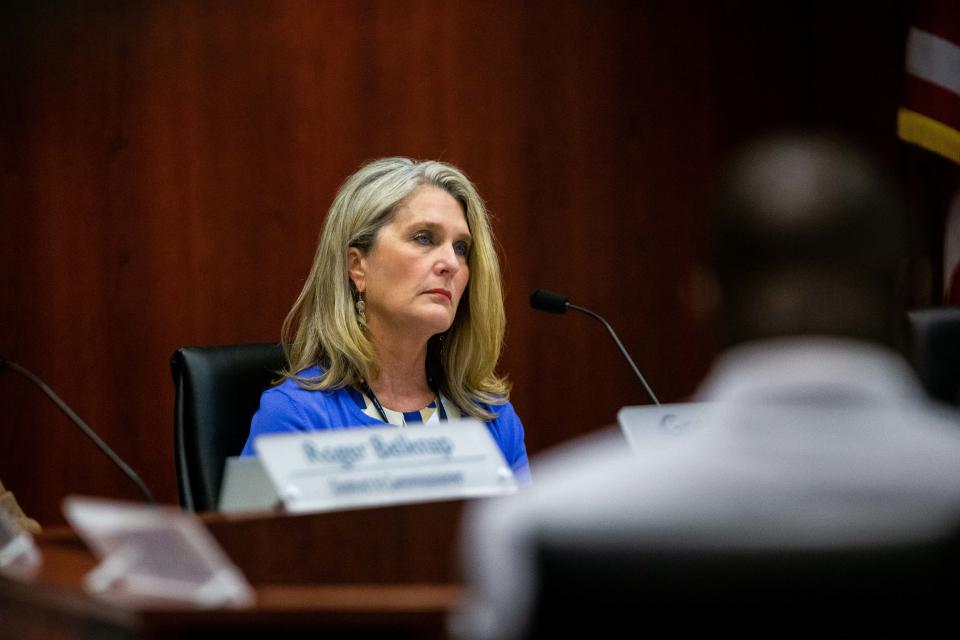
442,292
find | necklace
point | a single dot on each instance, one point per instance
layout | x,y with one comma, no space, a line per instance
383,414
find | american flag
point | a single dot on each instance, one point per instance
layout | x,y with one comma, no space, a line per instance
930,113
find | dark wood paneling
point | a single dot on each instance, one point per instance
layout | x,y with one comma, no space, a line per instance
166,167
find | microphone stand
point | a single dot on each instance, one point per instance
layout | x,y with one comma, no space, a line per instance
620,346
87,431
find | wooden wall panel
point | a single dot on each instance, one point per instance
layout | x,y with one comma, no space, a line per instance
166,167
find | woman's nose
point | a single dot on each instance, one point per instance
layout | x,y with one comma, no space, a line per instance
448,261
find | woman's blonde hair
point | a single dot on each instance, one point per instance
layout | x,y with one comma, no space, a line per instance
323,327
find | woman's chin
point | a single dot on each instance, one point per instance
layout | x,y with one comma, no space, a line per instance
438,324
427,325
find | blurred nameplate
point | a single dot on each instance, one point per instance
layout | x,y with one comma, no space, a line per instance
154,554
246,487
19,556
651,425
348,468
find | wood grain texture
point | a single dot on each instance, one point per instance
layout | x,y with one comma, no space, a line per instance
53,605
166,167
404,544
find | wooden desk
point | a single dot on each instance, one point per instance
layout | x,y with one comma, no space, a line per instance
403,544
388,572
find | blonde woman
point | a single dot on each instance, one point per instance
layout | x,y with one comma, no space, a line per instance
401,319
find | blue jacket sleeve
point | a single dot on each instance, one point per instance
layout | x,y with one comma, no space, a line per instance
508,431
278,413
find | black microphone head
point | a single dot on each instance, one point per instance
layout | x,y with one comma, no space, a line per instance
548,301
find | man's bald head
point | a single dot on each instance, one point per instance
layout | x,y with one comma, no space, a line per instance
808,239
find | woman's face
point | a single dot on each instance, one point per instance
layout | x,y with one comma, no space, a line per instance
416,271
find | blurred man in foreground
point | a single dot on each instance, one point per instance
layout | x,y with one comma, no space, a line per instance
822,447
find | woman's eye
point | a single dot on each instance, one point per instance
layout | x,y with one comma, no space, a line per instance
461,248
422,237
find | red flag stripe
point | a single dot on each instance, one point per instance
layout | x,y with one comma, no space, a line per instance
932,101
939,18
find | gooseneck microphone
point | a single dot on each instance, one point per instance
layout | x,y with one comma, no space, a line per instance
87,431
551,302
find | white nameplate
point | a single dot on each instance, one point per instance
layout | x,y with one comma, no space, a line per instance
246,487
347,468
649,425
151,554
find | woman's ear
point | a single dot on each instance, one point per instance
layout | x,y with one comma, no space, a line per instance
356,268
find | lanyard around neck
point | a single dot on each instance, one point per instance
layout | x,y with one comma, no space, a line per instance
383,414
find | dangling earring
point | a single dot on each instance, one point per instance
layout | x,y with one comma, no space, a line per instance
361,310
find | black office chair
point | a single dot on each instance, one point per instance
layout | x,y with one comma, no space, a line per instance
901,590
933,346
218,391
